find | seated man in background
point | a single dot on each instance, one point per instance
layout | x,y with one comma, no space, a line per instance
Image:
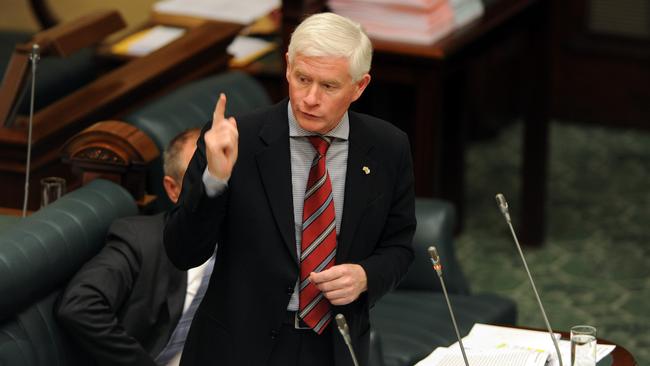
129,305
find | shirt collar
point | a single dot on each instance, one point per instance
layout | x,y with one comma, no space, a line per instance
341,131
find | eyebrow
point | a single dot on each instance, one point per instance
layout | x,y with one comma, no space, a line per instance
332,82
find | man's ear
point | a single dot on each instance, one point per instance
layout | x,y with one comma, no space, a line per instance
286,61
172,188
361,86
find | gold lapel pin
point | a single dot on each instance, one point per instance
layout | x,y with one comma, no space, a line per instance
366,170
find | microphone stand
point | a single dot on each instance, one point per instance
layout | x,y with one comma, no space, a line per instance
503,206
435,260
34,57
345,332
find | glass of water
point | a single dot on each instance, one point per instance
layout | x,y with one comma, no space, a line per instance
583,345
52,188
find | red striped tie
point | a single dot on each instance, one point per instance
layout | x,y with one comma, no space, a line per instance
318,247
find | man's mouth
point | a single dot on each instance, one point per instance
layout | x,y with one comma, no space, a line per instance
309,115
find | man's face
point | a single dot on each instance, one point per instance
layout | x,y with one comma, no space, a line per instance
321,90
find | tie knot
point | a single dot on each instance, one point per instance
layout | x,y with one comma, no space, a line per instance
320,143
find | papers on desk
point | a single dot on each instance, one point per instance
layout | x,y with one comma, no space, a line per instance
490,345
246,49
234,11
146,41
409,21
453,357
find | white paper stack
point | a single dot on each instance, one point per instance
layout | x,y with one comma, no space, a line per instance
409,21
235,11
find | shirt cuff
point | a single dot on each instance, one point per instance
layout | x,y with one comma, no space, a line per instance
213,185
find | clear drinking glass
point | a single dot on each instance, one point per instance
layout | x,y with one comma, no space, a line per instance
583,345
52,188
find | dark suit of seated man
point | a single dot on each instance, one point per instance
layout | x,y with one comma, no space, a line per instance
129,305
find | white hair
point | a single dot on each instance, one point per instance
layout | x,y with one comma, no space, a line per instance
329,34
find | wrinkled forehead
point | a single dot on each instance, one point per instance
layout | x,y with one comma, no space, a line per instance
335,67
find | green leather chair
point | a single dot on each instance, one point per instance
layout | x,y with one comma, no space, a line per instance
414,319
38,255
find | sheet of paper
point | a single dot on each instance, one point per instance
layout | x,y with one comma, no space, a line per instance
485,335
246,49
148,40
453,357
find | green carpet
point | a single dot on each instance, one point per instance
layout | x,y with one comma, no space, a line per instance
594,267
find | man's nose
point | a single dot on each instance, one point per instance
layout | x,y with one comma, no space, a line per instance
312,96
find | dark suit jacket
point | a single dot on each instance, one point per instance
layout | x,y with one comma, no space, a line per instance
124,303
256,267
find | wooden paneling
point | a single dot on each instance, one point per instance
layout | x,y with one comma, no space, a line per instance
601,70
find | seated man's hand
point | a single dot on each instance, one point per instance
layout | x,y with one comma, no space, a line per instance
341,284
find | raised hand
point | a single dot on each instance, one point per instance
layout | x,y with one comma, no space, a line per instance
222,142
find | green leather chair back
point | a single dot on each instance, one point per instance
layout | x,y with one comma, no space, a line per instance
436,223
37,257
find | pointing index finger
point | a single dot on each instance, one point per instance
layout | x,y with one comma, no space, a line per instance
219,109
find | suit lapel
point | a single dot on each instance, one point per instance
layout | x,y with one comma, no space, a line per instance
273,162
358,185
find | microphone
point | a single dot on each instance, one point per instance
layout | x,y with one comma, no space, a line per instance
345,332
503,206
435,260
35,56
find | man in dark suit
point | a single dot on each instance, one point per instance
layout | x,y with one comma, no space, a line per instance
313,207
125,303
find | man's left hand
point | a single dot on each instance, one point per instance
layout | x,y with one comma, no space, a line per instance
341,284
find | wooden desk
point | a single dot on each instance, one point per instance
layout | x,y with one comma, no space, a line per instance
619,356
438,74
201,51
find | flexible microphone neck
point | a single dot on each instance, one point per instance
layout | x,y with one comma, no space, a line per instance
345,332
503,206
437,265
35,56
